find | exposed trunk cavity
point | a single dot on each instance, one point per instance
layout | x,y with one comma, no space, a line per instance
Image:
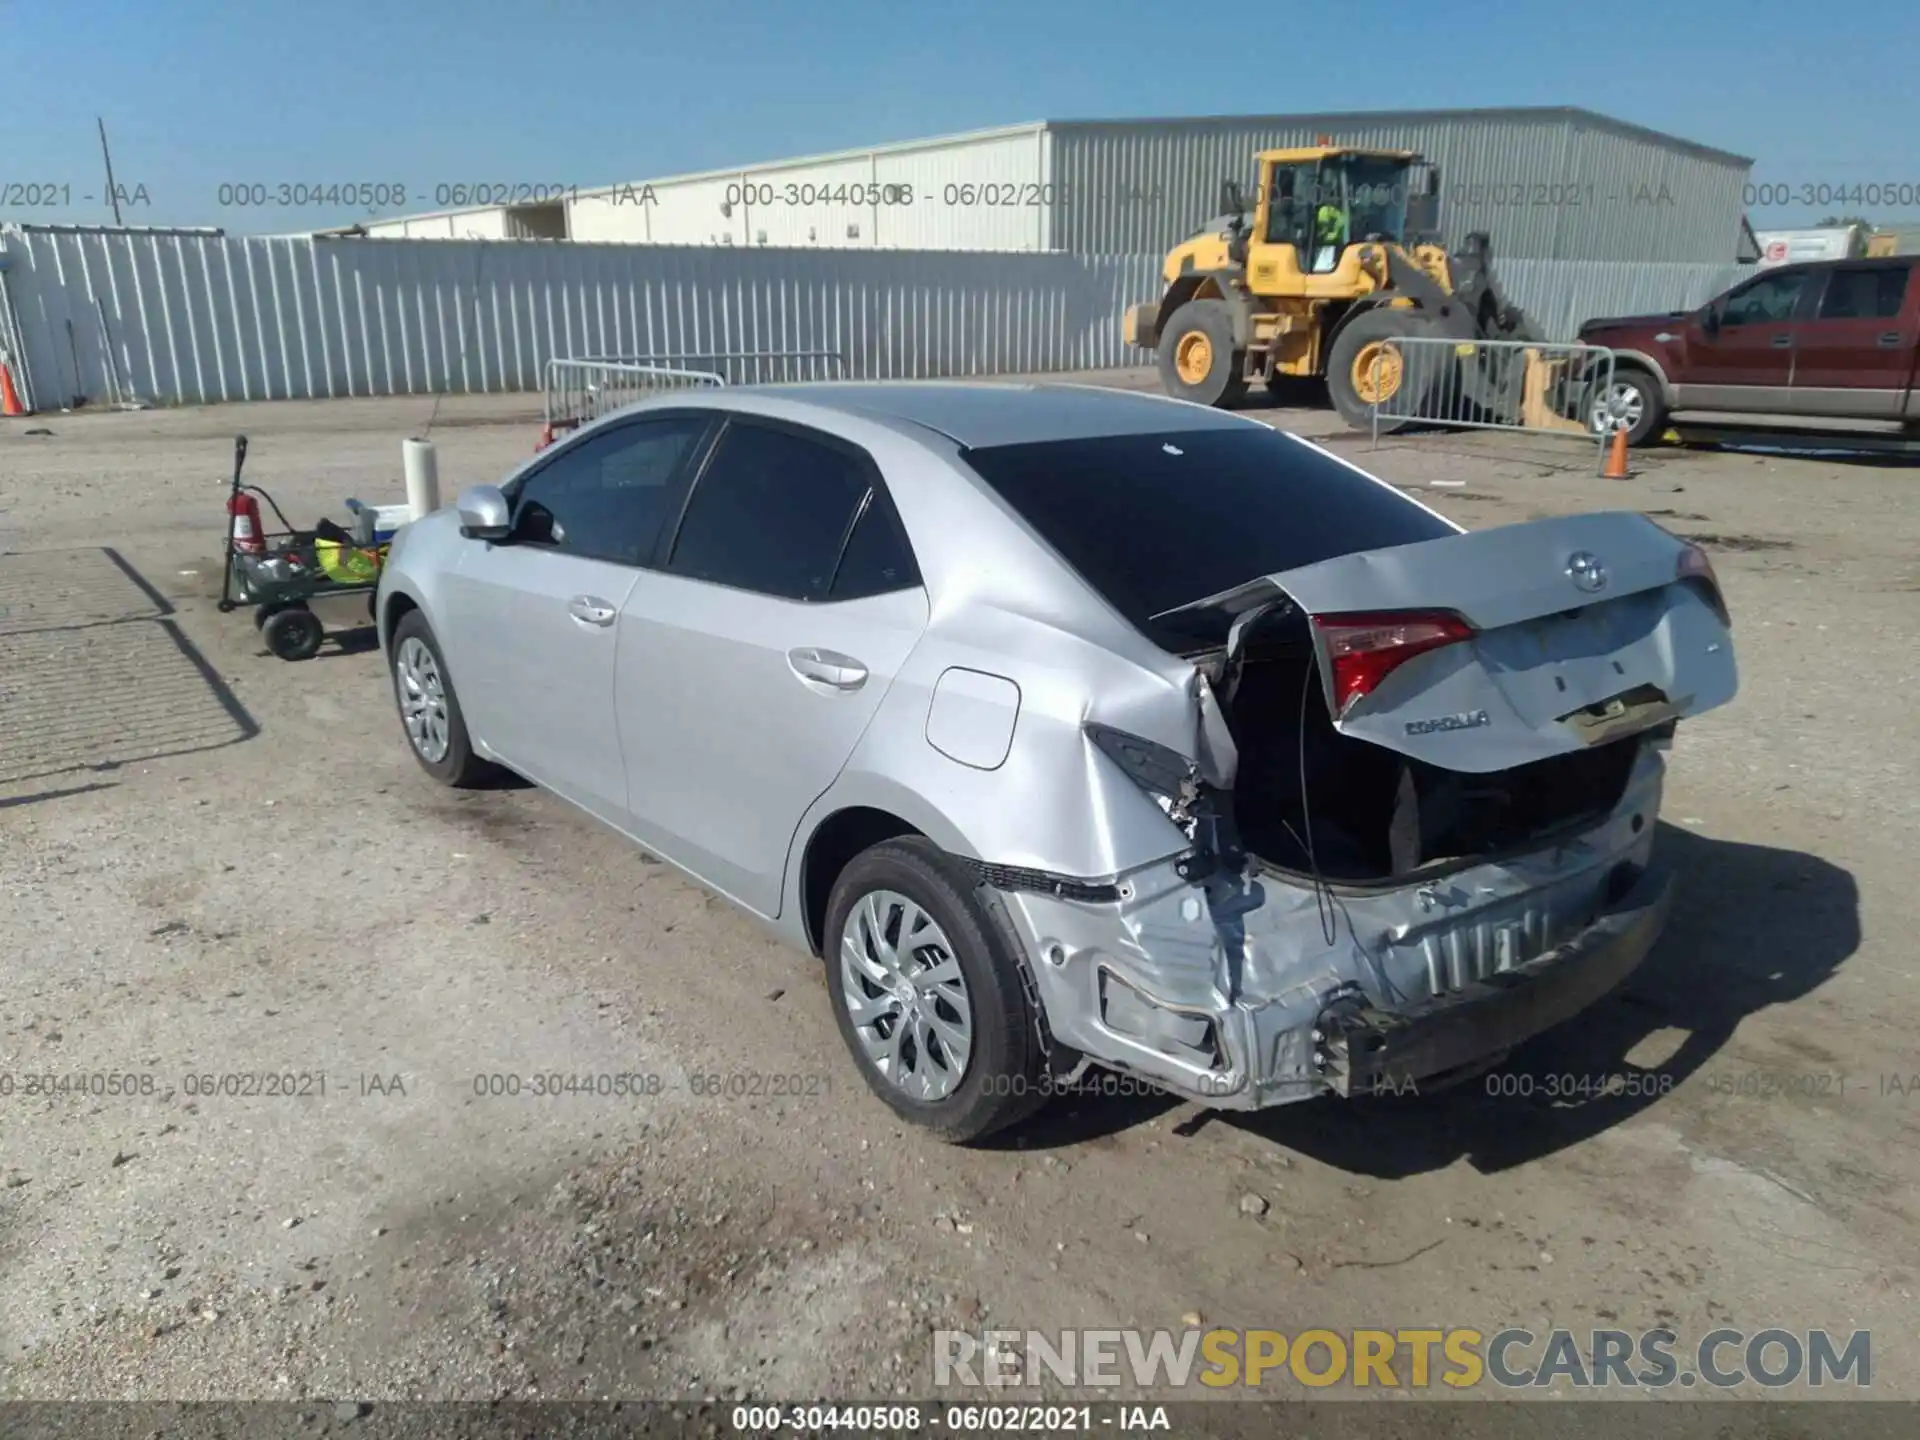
1372,815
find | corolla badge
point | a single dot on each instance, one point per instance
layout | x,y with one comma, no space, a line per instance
1440,724
1586,571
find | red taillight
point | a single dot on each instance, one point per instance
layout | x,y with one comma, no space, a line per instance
1693,564
1365,649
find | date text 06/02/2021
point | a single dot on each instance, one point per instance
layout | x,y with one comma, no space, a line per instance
701,1084
396,194
991,194
907,1419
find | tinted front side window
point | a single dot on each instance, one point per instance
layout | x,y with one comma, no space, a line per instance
1768,301
610,495
1870,293
770,513
1157,521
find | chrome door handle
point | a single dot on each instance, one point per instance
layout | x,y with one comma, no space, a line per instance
827,667
591,609
1781,342
1891,340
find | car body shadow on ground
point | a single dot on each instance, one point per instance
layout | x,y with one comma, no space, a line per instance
1752,927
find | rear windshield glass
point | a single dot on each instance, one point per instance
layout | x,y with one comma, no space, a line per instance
1160,520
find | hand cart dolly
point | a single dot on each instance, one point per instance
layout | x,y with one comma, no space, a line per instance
280,572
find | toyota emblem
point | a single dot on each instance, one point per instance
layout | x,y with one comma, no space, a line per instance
1586,571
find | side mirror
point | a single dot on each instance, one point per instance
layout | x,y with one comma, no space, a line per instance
484,513
1710,318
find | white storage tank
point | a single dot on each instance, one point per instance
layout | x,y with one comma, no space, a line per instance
1826,242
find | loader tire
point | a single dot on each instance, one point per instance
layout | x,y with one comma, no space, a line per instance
1365,364
1197,358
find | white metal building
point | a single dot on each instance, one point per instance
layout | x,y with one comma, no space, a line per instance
1546,183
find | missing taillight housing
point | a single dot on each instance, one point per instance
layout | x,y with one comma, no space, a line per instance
1366,648
1695,565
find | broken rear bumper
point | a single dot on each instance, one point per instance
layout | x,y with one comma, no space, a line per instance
1386,1052
1237,991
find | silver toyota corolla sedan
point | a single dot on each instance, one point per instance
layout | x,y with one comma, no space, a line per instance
1072,727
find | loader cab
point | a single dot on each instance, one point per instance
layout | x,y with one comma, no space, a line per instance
1320,200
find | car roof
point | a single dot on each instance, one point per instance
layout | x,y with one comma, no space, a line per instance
979,415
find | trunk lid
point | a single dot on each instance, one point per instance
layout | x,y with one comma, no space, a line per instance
1585,628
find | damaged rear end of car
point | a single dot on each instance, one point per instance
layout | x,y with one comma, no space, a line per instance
1419,804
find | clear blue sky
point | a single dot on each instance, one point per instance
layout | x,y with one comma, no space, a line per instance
595,91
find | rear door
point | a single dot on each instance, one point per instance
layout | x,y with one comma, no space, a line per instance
1747,363
1539,639
751,664
1854,356
532,623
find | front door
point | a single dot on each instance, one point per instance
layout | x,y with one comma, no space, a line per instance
1854,357
1746,362
752,663
532,623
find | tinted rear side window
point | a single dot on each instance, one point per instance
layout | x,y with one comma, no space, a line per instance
1869,293
877,558
770,513
1157,521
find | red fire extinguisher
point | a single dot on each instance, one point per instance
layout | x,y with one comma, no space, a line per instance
244,529
243,519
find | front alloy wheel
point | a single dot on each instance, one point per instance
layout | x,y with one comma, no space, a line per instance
423,699
1630,403
429,707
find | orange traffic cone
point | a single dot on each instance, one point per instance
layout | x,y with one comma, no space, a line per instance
1616,455
9,397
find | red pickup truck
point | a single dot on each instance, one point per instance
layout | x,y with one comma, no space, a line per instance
1826,347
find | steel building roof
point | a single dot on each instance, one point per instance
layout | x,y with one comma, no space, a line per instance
1332,119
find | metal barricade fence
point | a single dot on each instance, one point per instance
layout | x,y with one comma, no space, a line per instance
1528,385
749,367
581,391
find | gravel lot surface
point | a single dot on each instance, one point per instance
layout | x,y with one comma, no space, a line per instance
215,863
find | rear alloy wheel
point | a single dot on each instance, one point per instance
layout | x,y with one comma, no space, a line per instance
928,992
1368,366
429,710
1197,358
1631,402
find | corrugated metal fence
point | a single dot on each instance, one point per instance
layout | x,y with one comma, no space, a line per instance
190,317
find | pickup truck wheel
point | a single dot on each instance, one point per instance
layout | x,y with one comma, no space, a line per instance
1632,401
929,993
1197,358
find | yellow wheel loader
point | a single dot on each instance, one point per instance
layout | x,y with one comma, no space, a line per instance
1337,258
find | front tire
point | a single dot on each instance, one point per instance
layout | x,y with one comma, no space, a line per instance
929,994
1633,400
1366,366
430,715
1197,359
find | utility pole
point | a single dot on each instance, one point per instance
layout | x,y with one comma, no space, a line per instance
107,155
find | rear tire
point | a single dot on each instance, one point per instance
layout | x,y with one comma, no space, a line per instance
429,710
1364,357
1197,358
1635,397
871,964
